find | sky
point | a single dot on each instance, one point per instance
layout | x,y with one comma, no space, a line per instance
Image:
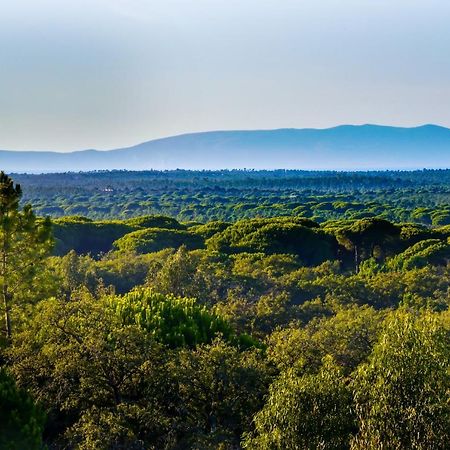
103,74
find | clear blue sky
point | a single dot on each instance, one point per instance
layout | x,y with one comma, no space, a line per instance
107,73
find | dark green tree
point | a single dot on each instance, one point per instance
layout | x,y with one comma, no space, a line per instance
21,422
369,238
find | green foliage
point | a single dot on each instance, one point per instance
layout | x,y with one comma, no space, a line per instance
85,236
179,274
441,217
158,344
24,243
305,412
82,364
221,389
401,394
296,236
173,321
411,233
155,239
369,238
420,196
156,221
209,229
348,336
21,421
429,251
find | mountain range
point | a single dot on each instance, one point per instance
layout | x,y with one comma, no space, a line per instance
345,147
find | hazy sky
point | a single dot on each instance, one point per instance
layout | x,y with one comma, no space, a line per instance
108,73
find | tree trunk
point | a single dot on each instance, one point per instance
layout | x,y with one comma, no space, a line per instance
6,296
6,305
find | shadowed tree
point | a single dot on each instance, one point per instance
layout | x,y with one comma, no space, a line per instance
21,421
369,238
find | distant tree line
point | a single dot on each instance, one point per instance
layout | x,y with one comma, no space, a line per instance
420,196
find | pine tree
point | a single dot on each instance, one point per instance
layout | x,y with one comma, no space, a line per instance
24,242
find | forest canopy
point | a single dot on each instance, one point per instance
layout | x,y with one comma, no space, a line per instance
229,326
228,195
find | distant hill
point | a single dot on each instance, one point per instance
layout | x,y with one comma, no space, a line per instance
346,147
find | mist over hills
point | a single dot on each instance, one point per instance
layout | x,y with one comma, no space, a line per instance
346,147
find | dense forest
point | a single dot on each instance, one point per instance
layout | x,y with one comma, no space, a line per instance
419,197
225,310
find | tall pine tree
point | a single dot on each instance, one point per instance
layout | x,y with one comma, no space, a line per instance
24,242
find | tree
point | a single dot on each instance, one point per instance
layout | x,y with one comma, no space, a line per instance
173,321
155,239
348,336
102,383
401,394
21,422
422,254
179,275
368,238
292,235
24,241
220,389
310,411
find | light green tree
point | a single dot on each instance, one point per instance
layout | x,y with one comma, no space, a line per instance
402,393
311,411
